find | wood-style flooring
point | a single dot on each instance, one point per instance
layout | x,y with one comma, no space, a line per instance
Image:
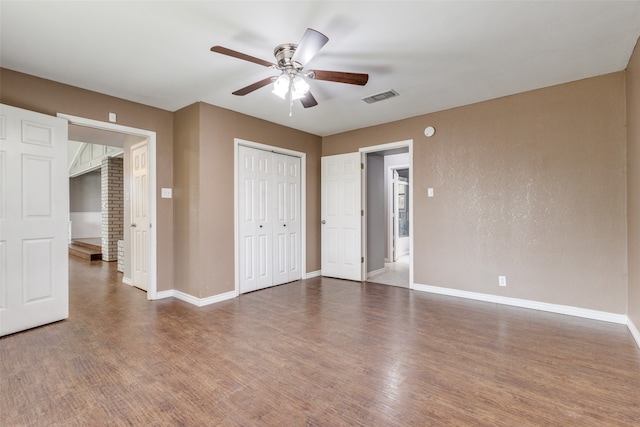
321,352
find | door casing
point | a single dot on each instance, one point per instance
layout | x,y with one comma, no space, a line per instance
384,147
152,292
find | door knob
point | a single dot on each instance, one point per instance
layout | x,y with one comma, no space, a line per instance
133,225
285,225
323,222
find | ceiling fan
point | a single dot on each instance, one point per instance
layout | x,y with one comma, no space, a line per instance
290,61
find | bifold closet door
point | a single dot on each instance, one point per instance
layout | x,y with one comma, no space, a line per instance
269,219
286,224
255,239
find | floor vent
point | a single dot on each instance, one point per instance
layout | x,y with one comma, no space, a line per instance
380,96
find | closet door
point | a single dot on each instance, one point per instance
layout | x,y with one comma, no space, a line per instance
286,223
255,196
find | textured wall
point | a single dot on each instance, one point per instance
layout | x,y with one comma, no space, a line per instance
48,97
530,186
204,167
633,191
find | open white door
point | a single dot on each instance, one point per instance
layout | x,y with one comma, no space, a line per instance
341,255
34,220
140,215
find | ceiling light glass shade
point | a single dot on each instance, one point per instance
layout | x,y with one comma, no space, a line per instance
299,88
281,86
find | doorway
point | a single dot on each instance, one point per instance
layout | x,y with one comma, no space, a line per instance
388,195
109,134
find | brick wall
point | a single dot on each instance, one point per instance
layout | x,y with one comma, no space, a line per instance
112,207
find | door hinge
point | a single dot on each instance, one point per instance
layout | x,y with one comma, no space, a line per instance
362,166
362,260
362,212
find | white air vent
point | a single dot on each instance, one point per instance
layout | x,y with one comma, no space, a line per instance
380,96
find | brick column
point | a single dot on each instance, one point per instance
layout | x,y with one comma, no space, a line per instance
112,207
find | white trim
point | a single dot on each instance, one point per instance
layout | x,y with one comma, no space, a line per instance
311,274
151,138
237,142
164,294
535,305
382,147
127,281
201,302
634,331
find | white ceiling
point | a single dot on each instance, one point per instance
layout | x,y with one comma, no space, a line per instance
436,55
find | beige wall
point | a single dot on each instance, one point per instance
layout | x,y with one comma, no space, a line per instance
204,192
530,186
186,197
48,97
633,188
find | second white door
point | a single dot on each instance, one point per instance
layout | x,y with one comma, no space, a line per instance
140,215
268,219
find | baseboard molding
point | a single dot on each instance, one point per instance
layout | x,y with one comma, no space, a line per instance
201,302
311,274
164,294
535,305
127,281
376,272
634,332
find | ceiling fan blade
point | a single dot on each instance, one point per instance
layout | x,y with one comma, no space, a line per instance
239,55
340,77
254,86
308,101
311,42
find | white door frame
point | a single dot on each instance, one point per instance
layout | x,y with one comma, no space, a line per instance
237,142
382,147
151,138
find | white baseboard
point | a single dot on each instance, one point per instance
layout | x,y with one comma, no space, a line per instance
201,302
535,305
127,281
376,272
311,274
164,294
634,332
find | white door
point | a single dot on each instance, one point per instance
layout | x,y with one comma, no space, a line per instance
269,218
254,222
140,215
286,219
341,216
34,220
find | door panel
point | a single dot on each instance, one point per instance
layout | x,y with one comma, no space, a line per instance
140,215
341,216
255,225
270,215
34,220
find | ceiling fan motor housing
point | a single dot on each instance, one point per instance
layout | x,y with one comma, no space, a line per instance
283,54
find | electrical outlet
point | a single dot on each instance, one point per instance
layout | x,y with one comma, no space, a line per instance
502,280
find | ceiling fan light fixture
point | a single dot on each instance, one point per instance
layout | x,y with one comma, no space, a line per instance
299,87
281,86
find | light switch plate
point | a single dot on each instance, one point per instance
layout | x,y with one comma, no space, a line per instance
430,192
166,193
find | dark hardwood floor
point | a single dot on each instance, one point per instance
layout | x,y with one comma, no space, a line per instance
321,352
